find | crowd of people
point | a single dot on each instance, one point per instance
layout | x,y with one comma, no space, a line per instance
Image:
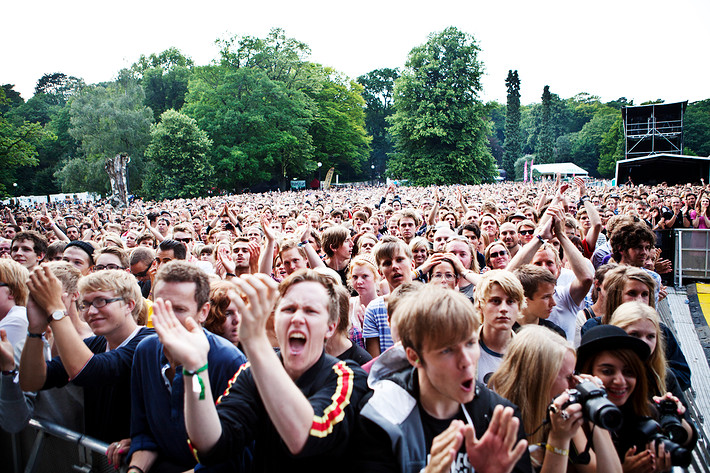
491,328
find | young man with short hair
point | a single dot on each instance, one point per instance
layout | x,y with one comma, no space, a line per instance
394,261
80,254
242,256
498,300
408,224
297,408
509,237
338,248
293,257
28,248
428,413
111,257
158,382
539,288
110,302
568,297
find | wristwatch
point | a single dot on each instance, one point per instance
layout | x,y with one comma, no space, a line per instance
57,315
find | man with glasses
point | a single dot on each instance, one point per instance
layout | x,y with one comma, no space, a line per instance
111,257
185,235
140,262
110,302
526,230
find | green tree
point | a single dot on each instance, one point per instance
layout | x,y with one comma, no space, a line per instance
164,78
258,127
177,165
544,150
512,146
282,58
19,140
440,125
696,127
378,92
112,124
496,115
338,127
58,87
586,144
611,148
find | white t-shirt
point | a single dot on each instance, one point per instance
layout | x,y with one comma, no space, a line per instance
565,311
15,324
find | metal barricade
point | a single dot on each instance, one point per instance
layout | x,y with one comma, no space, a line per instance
45,446
692,255
701,454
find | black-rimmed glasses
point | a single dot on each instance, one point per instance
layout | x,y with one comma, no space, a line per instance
98,303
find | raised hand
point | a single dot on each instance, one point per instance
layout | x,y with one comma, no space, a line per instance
45,289
498,450
224,258
581,185
187,344
261,292
444,448
266,227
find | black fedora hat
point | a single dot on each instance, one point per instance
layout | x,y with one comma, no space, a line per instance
609,337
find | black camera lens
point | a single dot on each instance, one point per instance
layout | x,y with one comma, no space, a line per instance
595,406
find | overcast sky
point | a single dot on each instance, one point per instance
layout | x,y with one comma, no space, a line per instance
642,50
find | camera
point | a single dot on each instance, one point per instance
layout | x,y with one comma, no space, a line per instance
648,430
595,406
670,421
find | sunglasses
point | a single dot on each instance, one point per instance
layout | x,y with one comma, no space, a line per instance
498,254
526,232
184,240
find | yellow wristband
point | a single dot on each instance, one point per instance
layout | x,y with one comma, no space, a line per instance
558,451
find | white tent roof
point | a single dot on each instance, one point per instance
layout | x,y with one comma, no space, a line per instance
562,168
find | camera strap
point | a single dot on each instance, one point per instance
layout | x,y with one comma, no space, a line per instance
582,458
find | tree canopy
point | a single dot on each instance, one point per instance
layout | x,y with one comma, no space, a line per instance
440,126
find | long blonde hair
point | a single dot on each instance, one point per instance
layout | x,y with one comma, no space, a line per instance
628,314
528,370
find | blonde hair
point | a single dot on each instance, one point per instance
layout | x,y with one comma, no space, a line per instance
435,316
67,274
15,276
122,283
506,280
113,238
366,261
530,366
628,314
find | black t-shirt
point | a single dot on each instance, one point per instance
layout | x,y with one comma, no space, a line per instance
433,427
356,354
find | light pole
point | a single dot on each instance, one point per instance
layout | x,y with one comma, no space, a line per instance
372,174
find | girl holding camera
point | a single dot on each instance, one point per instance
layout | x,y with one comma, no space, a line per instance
619,360
554,428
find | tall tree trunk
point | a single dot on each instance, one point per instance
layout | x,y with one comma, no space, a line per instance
116,169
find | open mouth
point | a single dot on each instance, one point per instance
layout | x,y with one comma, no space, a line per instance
296,343
467,385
